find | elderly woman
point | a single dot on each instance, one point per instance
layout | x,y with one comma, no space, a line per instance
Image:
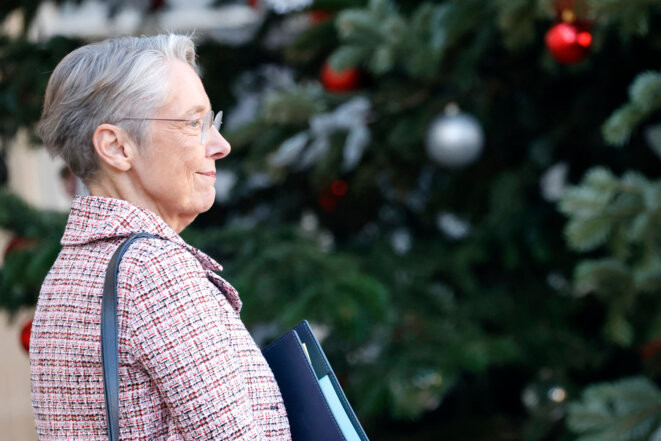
131,118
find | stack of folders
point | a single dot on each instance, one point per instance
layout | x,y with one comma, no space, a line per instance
316,405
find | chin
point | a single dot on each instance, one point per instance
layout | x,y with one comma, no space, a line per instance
208,201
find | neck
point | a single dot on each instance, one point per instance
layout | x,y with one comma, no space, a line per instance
122,188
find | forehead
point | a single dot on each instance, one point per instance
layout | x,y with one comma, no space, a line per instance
185,90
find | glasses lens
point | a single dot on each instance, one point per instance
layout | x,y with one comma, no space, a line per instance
209,120
206,124
218,121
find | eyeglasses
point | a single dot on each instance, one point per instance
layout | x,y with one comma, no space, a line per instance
208,120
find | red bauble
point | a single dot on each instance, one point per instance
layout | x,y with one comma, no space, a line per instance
568,43
25,335
318,16
330,197
339,81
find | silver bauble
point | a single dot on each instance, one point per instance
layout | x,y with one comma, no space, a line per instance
454,140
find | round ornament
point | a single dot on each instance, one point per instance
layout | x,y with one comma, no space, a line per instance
318,16
454,139
339,81
25,335
569,43
331,196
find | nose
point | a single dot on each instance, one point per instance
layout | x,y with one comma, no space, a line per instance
217,147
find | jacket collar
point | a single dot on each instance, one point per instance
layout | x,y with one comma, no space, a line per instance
96,218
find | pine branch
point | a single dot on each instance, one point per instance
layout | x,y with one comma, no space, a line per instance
620,216
382,39
25,267
644,100
24,220
631,16
628,409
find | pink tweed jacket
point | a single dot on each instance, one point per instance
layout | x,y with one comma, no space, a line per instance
189,369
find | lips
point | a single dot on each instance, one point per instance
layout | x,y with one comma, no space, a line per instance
209,174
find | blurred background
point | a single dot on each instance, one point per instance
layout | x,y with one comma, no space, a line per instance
462,197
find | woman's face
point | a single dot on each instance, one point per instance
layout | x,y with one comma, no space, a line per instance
176,173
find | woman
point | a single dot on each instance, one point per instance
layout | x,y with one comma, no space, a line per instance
131,118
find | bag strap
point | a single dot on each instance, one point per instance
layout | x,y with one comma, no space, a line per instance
109,344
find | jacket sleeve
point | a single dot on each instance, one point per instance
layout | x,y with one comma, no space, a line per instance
181,335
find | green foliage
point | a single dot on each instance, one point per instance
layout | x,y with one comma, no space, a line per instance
632,17
377,332
24,269
24,71
294,270
629,409
382,39
622,216
516,19
293,106
27,221
644,100
619,213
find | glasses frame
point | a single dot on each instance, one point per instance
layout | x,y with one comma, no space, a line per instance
207,121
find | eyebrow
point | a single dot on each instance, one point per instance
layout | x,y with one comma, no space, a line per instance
196,109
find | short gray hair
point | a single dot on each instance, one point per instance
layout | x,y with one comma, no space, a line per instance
102,83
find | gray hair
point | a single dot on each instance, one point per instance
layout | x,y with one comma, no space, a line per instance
102,83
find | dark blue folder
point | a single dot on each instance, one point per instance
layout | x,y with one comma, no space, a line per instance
316,405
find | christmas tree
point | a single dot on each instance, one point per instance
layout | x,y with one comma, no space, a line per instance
400,176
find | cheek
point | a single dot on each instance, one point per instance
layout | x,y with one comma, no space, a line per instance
175,159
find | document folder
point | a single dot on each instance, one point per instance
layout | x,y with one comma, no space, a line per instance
316,405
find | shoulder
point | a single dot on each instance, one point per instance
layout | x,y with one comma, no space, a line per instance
156,260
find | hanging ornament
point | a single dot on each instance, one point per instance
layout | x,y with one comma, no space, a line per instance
339,81
330,197
454,139
568,41
318,16
25,335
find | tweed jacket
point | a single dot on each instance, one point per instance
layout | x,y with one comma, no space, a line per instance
188,368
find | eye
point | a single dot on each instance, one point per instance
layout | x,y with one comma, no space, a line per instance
195,123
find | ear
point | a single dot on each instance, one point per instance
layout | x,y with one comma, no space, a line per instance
114,147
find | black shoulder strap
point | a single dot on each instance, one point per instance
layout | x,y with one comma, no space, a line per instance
109,345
